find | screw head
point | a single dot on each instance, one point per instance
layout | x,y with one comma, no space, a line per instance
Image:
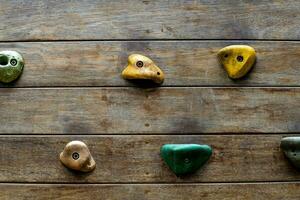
240,58
13,62
139,63
75,156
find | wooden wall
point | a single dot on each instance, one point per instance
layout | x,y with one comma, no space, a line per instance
71,89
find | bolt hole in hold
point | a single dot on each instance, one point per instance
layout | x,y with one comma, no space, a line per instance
158,73
13,62
293,150
3,60
75,156
187,160
139,64
226,55
240,58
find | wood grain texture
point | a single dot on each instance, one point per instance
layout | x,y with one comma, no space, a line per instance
257,191
160,110
181,19
184,63
175,34
128,159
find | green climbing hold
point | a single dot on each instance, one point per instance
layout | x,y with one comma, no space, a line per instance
11,66
185,158
291,149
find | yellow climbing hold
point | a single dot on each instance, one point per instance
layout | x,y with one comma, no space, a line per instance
141,67
237,60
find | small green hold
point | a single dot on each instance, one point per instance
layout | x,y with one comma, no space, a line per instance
291,149
185,158
11,66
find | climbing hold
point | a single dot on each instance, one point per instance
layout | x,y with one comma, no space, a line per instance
185,158
141,67
77,156
11,66
237,60
291,149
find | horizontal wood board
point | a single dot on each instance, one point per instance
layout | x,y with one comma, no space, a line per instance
148,111
23,20
128,159
258,191
185,63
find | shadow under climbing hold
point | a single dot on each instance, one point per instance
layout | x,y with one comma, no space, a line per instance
291,149
185,158
237,60
11,66
76,156
142,67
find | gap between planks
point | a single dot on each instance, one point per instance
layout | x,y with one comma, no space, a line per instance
148,40
143,134
154,183
149,88
145,88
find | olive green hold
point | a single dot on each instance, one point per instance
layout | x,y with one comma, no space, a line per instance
291,149
11,66
185,158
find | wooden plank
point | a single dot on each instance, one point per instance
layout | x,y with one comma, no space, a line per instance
128,159
184,19
257,191
147,111
185,63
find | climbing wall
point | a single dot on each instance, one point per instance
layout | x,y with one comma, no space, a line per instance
71,89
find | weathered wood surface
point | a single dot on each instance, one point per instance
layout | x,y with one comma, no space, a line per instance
185,63
160,110
184,19
129,166
257,191
128,159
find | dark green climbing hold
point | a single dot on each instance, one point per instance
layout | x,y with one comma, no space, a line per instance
11,66
185,158
291,149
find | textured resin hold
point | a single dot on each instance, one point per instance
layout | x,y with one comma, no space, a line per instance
185,158
291,149
76,156
11,66
141,67
237,60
